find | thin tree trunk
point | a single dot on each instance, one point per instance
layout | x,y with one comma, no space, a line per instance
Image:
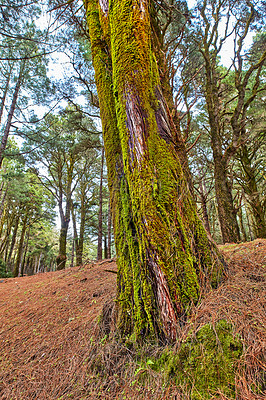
100,214
7,248
79,241
250,228
105,247
72,253
204,208
65,218
252,193
25,249
2,205
39,263
243,231
226,210
109,231
11,111
36,264
61,258
81,231
9,222
75,237
20,246
13,241
3,100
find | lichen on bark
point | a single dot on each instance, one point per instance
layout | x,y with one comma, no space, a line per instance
164,254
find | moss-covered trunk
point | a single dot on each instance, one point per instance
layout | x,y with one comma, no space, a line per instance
100,214
257,205
164,255
223,191
224,198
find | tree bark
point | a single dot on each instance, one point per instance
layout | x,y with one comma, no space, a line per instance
65,215
3,100
79,240
257,205
100,214
62,257
11,111
109,231
20,246
226,212
13,241
243,231
24,250
164,256
203,201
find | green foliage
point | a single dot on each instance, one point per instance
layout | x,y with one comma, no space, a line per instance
3,270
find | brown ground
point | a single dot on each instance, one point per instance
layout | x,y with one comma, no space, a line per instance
48,325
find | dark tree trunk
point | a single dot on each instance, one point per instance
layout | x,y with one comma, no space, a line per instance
13,241
226,209
257,205
8,227
72,253
79,254
203,200
79,241
25,249
64,217
3,100
11,111
20,246
100,215
109,231
105,247
2,205
226,212
62,257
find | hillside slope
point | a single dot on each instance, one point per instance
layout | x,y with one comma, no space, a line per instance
50,347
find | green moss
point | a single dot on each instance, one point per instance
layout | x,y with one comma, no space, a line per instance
205,363
161,253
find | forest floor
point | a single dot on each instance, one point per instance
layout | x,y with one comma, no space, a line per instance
51,346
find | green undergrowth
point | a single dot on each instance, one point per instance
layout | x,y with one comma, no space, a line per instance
204,365
3,271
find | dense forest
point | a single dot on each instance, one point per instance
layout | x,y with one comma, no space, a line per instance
133,131
54,208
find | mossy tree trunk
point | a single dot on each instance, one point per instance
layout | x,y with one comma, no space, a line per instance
100,214
223,191
203,200
109,232
257,204
164,255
